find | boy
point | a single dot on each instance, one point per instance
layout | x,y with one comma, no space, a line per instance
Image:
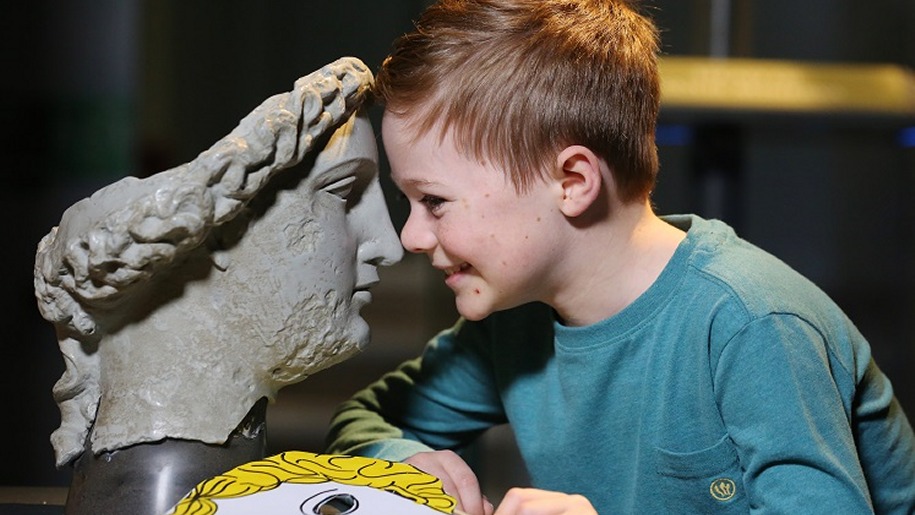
646,365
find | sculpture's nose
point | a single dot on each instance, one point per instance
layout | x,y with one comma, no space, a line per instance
379,245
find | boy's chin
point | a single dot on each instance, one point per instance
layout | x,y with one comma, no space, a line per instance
472,312
478,308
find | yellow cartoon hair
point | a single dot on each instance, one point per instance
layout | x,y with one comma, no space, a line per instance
301,467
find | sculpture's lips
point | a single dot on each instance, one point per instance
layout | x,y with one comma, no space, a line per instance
362,297
365,285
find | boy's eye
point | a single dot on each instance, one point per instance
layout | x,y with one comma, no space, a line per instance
432,202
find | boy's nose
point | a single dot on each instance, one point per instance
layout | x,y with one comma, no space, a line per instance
416,236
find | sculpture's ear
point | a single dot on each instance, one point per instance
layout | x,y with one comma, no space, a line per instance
223,238
580,178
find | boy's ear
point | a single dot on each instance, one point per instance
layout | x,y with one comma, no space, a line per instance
580,178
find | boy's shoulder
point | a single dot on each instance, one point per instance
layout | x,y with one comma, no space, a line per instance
754,277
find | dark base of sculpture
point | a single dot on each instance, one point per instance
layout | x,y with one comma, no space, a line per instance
149,479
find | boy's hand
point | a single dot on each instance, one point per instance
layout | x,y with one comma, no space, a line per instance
530,501
457,478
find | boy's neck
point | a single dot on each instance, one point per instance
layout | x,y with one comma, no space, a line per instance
621,258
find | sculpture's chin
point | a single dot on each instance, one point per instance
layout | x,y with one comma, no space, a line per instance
361,335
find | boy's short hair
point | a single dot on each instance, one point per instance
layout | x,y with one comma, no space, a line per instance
518,80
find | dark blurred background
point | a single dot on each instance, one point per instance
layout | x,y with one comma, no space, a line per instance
96,90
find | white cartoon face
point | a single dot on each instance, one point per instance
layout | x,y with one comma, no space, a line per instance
321,499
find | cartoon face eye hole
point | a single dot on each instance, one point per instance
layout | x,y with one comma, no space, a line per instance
336,504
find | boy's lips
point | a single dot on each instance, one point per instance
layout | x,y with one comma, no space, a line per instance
451,270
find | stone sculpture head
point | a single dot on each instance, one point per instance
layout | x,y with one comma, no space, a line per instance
182,299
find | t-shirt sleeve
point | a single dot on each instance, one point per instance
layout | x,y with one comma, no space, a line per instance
786,403
442,400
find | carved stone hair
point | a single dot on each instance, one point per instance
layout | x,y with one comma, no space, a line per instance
132,243
173,213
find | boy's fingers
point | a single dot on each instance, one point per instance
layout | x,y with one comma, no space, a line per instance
531,501
458,480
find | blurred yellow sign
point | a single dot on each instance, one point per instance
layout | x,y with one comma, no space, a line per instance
695,83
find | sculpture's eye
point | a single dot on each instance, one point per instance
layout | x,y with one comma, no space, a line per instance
341,188
337,504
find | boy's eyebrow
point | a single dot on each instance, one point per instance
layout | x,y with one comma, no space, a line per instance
413,182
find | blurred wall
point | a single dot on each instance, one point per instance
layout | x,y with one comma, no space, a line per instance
67,127
98,90
831,195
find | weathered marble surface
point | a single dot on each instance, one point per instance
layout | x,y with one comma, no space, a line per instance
182,300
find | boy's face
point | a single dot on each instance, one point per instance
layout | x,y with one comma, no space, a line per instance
498,248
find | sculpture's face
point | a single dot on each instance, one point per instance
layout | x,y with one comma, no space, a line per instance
303,269
179,304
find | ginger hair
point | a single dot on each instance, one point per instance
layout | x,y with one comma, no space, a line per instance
515,81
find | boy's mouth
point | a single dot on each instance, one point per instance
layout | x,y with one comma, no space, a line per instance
455,269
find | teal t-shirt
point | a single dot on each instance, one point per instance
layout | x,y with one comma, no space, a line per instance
733,384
